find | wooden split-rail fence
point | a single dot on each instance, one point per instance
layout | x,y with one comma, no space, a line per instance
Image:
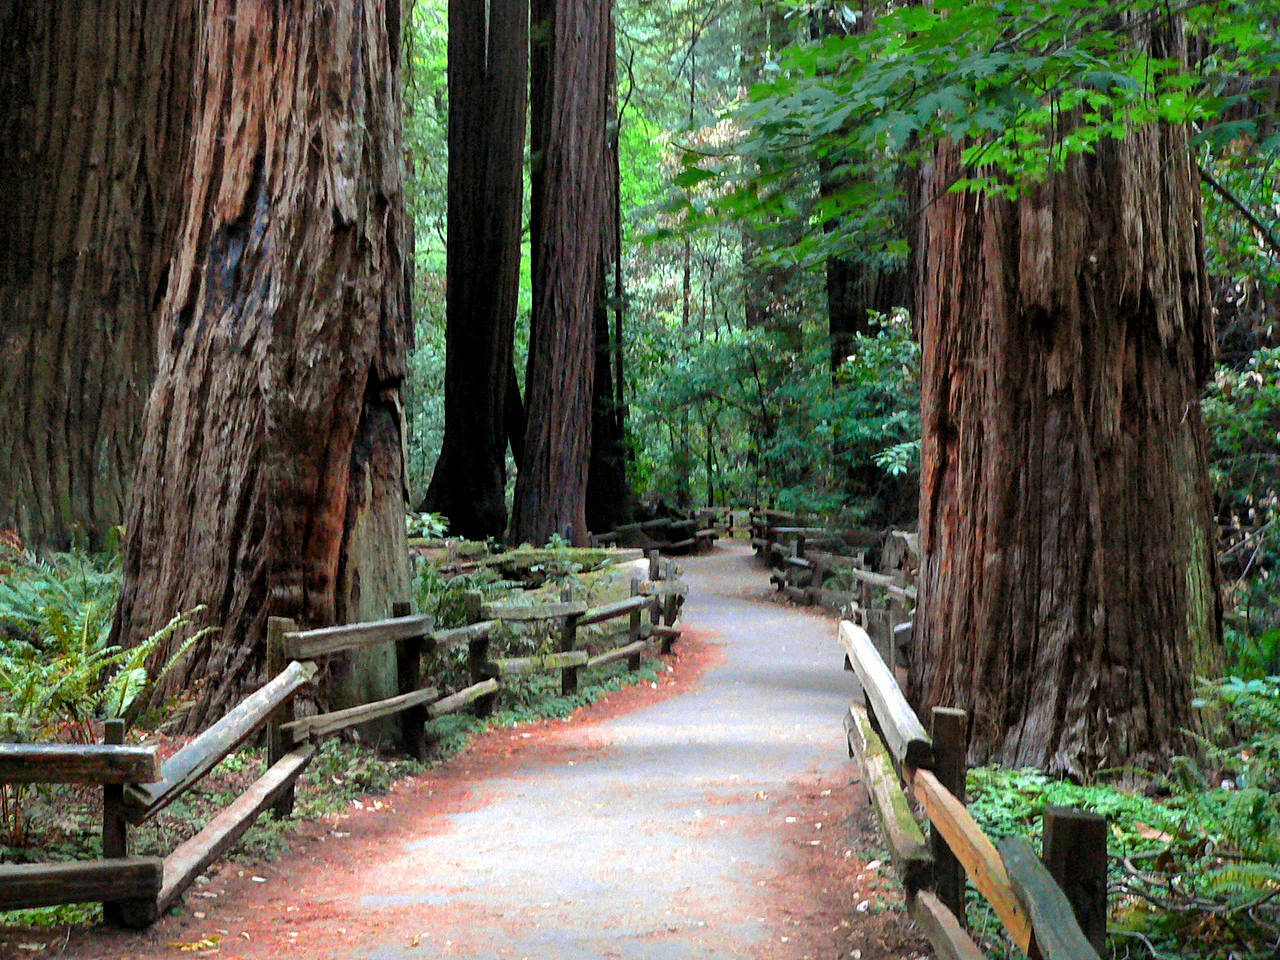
1053,908
829,567
135,891
668,534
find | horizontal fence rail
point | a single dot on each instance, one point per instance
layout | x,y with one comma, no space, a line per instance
77,763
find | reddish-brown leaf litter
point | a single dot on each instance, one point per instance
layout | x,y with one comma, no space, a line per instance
652,824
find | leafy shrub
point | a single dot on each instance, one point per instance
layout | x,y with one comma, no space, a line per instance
429,525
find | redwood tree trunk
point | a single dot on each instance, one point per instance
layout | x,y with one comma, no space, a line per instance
488,68
1069,589
94,122
610,502
271,475
568,95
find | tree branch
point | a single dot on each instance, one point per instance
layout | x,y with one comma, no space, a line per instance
1268,237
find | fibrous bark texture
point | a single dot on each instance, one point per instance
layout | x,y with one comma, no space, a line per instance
271,476
93,126
1069,589
567,101
488,69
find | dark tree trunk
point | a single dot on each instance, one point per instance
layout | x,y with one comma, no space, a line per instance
488,68
92,131
609,498
568,96
271,479
1069,589
853,290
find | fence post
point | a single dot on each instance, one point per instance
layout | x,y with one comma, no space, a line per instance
115,836
633,626
568,639
135,913
413,722
950,744
277,627
478,653
1075,854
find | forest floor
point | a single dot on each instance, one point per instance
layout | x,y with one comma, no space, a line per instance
712,814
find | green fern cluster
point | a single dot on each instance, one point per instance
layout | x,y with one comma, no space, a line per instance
59,671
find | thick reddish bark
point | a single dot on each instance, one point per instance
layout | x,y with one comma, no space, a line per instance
1069,589
568,96
93,126
488,67
271,474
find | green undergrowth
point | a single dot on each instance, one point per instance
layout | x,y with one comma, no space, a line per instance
1194,863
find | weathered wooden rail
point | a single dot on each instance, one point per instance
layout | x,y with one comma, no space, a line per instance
668,534
1054,909
136,890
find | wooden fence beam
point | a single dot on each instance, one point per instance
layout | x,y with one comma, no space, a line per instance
463,698
1056,934
513,666
92,763
629,652
191,858
618,608
904,734
48,884
202,754
943,929
536,611
309,644
974,851
907,848
323,724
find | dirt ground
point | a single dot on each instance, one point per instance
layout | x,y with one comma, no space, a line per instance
409,874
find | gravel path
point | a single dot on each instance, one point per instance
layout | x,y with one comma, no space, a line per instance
657,846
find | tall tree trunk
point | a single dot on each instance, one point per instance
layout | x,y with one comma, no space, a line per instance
94,124
1069,588
568,96
609,498
271,479
488,69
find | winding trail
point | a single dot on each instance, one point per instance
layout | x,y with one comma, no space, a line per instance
718,822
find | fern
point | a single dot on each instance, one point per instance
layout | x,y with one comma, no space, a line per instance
1240,881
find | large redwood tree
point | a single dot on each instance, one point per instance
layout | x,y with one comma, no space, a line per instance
271,474
567,105
1069,590
93,125
488,71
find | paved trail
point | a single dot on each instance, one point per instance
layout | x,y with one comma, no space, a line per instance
657,846
712,824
